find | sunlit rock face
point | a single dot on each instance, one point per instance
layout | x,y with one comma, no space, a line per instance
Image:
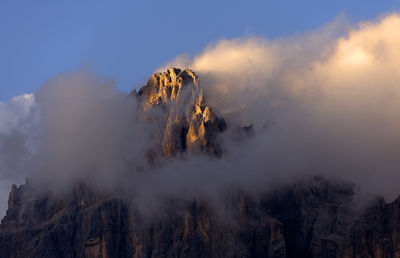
173,102
169,86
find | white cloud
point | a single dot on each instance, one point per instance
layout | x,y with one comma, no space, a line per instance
15,111
333,100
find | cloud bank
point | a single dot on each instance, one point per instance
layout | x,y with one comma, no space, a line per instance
323,103
333,102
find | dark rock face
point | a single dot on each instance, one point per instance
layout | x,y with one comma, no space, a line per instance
313,218
376,233
316,214
84,224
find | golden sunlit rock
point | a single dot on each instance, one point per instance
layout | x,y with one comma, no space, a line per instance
188,123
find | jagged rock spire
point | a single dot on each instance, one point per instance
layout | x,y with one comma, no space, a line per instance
188,124
168,86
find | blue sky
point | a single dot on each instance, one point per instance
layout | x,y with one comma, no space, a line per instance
127,40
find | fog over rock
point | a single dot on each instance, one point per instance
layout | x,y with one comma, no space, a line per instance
254,147
16,122
317,104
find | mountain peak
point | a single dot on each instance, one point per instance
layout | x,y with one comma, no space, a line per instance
187,123
166,86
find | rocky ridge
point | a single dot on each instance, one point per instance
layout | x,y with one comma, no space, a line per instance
312,218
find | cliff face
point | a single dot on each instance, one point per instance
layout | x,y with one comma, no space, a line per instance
313,218
174,101
85,224
376,233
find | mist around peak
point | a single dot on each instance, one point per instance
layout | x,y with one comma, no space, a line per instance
318,104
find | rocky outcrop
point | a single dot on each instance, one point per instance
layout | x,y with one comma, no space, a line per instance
84,224
173,101
312,218
376,233
316,214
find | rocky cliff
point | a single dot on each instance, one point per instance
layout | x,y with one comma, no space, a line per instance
83,224
174,101
314,217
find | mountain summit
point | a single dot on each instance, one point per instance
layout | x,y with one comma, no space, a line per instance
174,101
